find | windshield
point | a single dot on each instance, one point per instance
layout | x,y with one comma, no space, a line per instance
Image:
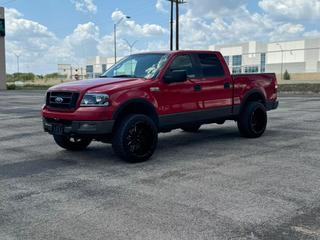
138,65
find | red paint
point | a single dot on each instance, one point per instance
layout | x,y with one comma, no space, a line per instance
171,98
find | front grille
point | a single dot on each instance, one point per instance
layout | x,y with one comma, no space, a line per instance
62,100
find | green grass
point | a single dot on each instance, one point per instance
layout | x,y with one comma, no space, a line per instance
301,88
28,87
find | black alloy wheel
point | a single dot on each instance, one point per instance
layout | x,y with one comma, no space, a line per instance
135,138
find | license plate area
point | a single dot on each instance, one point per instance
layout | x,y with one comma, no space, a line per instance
57,129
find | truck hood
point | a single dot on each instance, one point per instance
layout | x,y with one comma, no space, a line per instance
86,85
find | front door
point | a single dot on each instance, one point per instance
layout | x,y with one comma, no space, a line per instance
180,97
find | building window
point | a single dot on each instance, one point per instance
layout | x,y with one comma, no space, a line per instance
236,70
227,59
236,63
89,68
251,69
237,60
263,62
104,68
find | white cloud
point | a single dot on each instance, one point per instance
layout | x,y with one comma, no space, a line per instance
85,6
214,7
82,42
312,34
157,46
292,9
199,31
160,6
27,38
211,22
41,50
131,28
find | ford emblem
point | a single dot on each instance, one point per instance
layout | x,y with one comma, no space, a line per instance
59,100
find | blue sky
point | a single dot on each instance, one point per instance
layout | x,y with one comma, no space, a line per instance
47,32
61,17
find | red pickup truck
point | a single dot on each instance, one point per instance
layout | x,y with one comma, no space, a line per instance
148,93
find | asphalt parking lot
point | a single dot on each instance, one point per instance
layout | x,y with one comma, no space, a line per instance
208,185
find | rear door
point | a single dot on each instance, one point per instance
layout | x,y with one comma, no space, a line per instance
215,83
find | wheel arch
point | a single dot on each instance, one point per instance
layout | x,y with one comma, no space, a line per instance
254,95
136,106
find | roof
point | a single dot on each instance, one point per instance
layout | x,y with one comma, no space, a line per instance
179,51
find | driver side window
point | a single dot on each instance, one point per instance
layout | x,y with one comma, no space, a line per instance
183,62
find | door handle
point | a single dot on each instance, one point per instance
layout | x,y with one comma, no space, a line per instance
197,88
227,85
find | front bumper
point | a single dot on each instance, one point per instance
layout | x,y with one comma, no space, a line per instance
272,105
80,128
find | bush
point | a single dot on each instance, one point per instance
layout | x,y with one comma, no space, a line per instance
11,87
286,75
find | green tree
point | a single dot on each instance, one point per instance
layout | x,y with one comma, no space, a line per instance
52,76
286,75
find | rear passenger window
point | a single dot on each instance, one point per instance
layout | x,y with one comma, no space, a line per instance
183,62
211,65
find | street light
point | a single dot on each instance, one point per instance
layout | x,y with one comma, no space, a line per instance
18,64
115,36
281,60
130,45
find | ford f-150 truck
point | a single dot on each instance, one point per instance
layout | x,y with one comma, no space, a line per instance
148,93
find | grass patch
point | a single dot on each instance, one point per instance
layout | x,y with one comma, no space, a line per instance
28,87
301,87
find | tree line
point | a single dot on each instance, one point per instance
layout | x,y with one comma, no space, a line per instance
26,77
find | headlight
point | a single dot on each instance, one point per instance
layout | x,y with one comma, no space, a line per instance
95,100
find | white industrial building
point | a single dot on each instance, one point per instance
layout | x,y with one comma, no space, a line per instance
96,66
69,71
300,56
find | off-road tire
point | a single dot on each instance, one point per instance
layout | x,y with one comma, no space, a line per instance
253,120
135,138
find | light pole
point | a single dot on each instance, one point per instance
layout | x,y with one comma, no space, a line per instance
131,45
18,64
115,36
281,60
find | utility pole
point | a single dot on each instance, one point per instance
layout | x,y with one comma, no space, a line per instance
282,59
171,26
177,25
2,51
178,2
18,64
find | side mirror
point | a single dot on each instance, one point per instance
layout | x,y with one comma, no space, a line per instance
176,76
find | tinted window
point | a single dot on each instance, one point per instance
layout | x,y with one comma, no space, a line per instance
183,62
211,65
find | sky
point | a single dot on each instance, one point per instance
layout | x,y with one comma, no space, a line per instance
47,32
